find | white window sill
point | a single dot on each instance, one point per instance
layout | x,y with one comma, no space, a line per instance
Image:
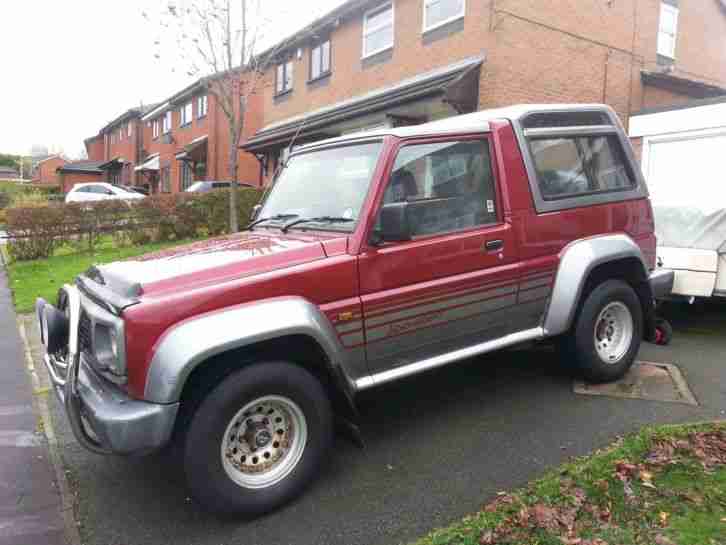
442,23
376,52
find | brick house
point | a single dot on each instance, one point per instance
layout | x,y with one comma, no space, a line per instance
95,148
186,138
123,143
375,63
44,171
79,172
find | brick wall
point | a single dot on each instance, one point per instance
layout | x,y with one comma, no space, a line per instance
45,172
555,51
94,148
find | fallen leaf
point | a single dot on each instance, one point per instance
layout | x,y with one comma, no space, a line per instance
545,517
663,517
660,539
723,519
571,540
487,538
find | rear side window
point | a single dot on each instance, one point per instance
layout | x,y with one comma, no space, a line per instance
580,165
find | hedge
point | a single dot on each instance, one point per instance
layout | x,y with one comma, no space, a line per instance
35,232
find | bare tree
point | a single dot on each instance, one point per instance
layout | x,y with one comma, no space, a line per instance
217,41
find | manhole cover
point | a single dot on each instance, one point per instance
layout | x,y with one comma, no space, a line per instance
645,380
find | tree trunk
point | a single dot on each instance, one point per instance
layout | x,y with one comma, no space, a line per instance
233,154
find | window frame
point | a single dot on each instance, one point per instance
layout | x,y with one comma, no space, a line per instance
367,31
486,140
202,106
155,128
425,28
675,11
166,122
185,167
279,91
323,73
186,114
617,152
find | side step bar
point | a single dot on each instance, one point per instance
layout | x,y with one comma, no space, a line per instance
417,367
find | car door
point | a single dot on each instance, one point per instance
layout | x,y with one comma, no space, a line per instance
454,284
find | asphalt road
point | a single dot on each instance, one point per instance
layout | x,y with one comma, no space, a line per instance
438,447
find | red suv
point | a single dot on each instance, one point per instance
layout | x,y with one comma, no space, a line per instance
374,257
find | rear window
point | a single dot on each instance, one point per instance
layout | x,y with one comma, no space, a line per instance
572,166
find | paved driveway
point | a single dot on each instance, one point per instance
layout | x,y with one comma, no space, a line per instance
438,446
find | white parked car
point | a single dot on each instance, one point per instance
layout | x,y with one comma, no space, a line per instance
100,191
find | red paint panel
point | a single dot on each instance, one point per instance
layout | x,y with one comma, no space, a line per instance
323,282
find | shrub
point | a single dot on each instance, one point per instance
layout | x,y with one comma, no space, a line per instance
35,231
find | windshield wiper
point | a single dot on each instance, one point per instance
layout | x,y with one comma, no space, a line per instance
320,219
271,218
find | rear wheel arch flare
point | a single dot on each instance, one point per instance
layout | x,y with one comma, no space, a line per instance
585,264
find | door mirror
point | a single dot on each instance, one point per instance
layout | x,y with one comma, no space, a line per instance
255,212
393,223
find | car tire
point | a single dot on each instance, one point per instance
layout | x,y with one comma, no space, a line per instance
607,332
258,439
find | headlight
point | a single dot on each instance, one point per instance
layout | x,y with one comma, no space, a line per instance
106,348
113,339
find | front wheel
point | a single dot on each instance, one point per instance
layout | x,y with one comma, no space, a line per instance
607,333
258,439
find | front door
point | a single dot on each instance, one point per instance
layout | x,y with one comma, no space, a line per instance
455,283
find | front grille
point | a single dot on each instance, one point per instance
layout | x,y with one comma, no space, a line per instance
84,334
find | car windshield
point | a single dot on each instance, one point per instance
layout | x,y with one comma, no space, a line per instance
323,187
122,188
196,186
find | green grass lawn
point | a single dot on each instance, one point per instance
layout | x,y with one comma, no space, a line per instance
43,277
662,486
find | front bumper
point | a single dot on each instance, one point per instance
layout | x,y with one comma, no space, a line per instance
104,419
661,283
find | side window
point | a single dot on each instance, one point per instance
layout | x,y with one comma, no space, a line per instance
449,186
580,165
99,189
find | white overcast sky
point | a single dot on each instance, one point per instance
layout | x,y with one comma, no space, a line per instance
69,67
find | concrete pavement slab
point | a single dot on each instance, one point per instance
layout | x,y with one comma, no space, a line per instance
29,500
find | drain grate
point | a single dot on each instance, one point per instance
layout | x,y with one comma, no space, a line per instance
645,380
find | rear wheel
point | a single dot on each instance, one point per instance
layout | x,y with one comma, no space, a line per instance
606,336
258,439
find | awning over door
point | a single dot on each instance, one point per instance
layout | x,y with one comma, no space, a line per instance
444,91
150,165
195,151
114,164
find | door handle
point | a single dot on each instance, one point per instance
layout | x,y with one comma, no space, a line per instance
493,245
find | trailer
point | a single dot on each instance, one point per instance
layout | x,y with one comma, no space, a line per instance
684,163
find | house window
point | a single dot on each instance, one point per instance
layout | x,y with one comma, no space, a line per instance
186,176
202,106
166,122
320,60
128,129
120,134
185,114
165,180
440,12
667,30
378,30
155,128
283,82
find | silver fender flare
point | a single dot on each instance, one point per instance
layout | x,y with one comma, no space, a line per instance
577,260
188,344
